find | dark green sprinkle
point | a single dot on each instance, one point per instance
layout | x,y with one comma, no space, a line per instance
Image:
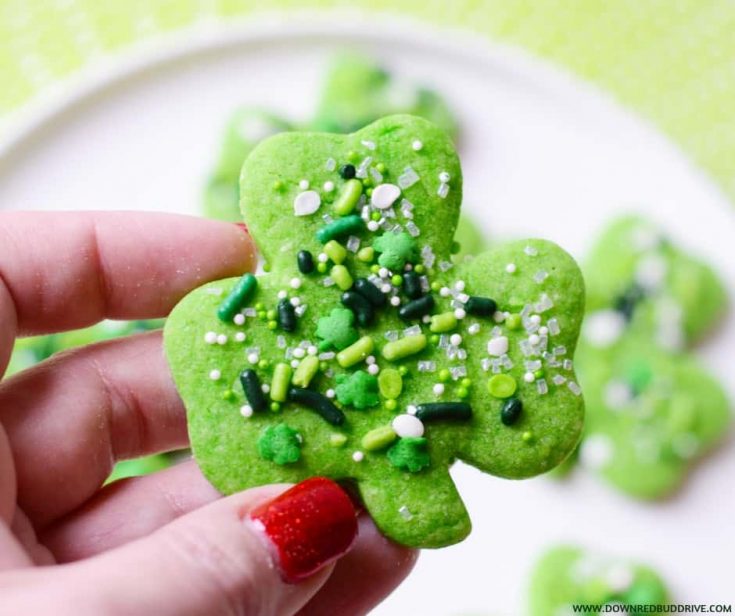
236,299
417,308
305,261
286,316
317,402
253,390
627,302
481,306
347,172
511,411
370,292
443,410
412,285
347,225
362,308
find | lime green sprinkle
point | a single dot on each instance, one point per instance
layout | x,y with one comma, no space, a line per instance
369,193
335,251
409,454
513,321
410,345
358,389
229,395
366,254
390,383
272,325
323,366
266,267
337,440
277,185
378,438
321,268
341,276
390,405
280,444
419,269
402,370
435,286
263,364
396,280
375,215
259,306
375,268
501,386
337,330
444,375
380,167
275,407
367,182
306,371
271,314
352,156
527,437
444,322
434,339
462,392
456,247
356,352
262,315
539,374
466,382
348,197
279,383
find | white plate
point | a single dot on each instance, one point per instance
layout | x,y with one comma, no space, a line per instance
543,155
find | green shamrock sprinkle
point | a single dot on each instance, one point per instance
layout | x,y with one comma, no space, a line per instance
358,389
337,330
409,454
280,443
396,249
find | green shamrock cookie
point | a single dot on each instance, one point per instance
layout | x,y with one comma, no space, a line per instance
472,362
651,408
567,576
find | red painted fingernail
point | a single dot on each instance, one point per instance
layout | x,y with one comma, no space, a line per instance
243,227
309,526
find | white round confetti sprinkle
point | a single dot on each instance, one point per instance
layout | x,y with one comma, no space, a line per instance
282,294
417,145
306,203
459,285
312,350
299,353
407,426
497,346
395,301
370,359
444,177
459,313
535,319
328,186
383,272
266,388
510,268
358,456
322,257
384,195
596,451
438,389
222,339
373,369
294,363
215,375
240,336
253,358
304,184
210,337
534,339
426,319
444,291
473,329
619,577
604,327
455,339
329,393
529,377
295,301
246,410
543,331
411,409
373,226
295,283
239,319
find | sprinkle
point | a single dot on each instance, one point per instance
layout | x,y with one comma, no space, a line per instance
501,386
542,387
408,178
574,388
510,268
473,329
411,409
444,322
403,511
530,251
215,375
444,410
246,410
455,339
417,145
398,349
357,352
347,225
443,191
426,366
240,336
253,390
460,313
239,319
210,337
370,145
417,308
330,393
444,177
373,226
241,292
511,410
480,306
317,402
553,325
358,456
534,339
347,172
438,389
331,164
498,346
408,426
353,243
395,301
363,167
373,369
406,206
529,377
306,203
222,339
304,184
540,276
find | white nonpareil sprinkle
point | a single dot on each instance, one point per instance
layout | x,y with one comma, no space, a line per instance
473,329
455,339
358,456
417,145
370,359
438,389
460,313
385,195
282,294
312,350
330,393
304,184
510,268
596,451
239,319
295,283
266,388
444,291
499,316
373,226
253,358
299,353
215,375
534,339
497,346
373,369
240,337
408,426
604,327
411,409
295,301
210,337
395,301
222,339
328,186
306,203
246,410
444,177
529,377
543,331
535,319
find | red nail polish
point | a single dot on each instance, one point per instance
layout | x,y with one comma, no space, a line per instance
309,525
243,227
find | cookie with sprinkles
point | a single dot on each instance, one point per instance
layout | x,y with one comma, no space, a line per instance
567,576
379,361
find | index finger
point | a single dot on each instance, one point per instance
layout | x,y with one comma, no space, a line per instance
66,270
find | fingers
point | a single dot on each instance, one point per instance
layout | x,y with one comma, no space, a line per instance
229,557
66,270
69,418
365,576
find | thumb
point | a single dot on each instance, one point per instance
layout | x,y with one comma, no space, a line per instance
263,551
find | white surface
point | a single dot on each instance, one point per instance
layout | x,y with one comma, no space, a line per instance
543,156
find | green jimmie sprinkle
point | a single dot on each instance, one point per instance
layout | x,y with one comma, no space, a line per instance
237,298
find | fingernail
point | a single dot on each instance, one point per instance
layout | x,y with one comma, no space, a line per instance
243,227
309,526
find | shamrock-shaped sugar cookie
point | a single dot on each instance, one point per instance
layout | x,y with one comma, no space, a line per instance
652,409
568,576
377,374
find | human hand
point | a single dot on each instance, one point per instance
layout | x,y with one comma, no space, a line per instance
166,543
